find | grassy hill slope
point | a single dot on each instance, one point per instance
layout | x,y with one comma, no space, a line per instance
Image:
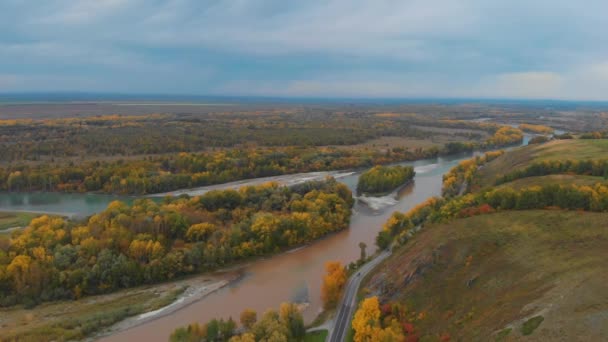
554,150
490,275
553,179
508,275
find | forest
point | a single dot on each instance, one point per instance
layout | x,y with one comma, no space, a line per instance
186,170
167,172
120,136
149,242
383,179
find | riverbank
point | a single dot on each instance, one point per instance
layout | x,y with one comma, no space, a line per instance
381,201
196,289
286,180
99,316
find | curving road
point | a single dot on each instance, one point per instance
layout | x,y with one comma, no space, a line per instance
347,306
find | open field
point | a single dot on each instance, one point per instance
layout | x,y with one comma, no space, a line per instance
317,336
11,220
494,275
575,149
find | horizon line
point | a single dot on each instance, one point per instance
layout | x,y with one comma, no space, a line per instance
80,96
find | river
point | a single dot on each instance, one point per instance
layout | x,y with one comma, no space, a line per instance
297,275
291,276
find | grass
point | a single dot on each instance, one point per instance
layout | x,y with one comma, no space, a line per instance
323,317
555,150
553,179
350,335
473,277
317,336
530,325
15,219
75,320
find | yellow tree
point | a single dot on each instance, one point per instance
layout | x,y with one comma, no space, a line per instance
200,231
246,337
367,319
19,270
248,318
366,324
333,284
291,317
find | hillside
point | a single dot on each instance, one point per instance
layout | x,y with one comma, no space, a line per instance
576,150
481,276
505,262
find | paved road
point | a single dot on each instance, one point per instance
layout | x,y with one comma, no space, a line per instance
347,306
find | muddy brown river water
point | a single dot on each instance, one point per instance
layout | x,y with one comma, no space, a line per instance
296,275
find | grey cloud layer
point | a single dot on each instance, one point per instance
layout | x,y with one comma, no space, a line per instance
371,48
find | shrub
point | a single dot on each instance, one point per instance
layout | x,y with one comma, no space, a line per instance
530,325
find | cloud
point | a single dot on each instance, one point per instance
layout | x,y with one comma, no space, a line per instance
391,48
532,84
70,13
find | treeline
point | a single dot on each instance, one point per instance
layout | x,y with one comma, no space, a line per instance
185,170
540,129
381,179
399,226
571,197
457,179
150,242
594,135
597,168
285,325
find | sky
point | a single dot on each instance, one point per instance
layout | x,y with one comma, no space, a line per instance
521,49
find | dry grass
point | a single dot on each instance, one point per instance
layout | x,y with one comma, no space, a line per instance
477,277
